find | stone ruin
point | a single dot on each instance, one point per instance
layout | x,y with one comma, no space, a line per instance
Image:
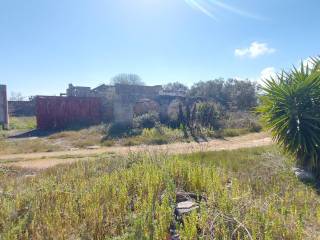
4,117
120,103
84,105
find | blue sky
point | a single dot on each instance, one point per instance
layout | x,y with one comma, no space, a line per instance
46,44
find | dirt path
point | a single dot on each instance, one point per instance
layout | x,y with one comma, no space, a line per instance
40,161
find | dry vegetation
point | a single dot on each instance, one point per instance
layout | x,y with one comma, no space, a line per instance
251,194
98,136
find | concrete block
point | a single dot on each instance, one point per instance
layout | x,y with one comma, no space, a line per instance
4,117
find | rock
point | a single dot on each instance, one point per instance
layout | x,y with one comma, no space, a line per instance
30,175
185,207
93,147
229,184
175,237
74,149
303,175
186,196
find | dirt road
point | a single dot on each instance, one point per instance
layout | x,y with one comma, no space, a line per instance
40,161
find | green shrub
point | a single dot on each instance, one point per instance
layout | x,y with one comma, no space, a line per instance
120,129
255,127
148,120
208,114
234,132
108,143
158,141
290,108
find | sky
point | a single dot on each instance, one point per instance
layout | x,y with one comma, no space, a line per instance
47,44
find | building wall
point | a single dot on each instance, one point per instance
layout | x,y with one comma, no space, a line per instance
4,118
22,108
78,91
127,96
62,112
107,95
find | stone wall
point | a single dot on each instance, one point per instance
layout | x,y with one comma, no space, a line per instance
107,94
4,118
126,96
22,108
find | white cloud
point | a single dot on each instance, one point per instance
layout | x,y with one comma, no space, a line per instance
267,73
255,50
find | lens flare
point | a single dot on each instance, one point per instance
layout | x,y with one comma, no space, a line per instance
208,6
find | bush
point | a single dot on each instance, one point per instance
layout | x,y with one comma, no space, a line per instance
158,141
255,127
115,130
290,108
208,114
148,120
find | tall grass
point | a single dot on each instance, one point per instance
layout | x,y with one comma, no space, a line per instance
23,123
250,194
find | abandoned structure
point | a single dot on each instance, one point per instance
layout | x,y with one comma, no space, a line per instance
60,112
119,103
4,118
22,108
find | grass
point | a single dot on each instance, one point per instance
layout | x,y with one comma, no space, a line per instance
80,138
155,136
95,135
23,123
234,132
55,142
27,146
19,124
250,192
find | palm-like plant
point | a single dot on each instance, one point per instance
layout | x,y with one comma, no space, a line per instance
290,108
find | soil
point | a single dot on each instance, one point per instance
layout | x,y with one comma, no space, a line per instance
44,160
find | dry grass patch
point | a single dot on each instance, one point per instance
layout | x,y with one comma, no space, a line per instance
27,146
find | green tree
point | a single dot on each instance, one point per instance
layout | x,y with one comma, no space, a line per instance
176,87
232,94
290,108
208,114
127,78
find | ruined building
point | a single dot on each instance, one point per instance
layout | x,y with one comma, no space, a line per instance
105,103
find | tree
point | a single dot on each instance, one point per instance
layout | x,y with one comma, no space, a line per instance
175,87
240,94
212,89
127,78
290,108
231,94
16,96
208,114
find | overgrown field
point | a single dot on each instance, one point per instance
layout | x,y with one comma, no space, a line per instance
98,136
251,194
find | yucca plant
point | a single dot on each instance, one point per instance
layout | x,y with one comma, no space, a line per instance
290,109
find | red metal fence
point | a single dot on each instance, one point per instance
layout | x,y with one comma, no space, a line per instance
62,112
